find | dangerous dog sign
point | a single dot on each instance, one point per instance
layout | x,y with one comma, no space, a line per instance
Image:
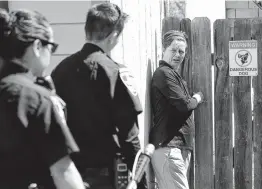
243,58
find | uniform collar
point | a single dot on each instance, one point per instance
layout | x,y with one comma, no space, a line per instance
89,48
11,67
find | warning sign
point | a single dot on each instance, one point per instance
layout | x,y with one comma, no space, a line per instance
243,58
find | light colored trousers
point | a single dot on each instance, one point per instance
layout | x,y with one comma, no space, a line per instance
171,166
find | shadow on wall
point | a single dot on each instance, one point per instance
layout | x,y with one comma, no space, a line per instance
147,111
148,121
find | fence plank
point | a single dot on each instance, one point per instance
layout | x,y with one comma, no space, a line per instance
201,52
242,117
257,124
186,73
223,107
170,23
186,68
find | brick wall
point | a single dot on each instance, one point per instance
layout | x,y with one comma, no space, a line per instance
242,9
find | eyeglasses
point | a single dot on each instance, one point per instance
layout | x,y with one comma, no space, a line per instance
46,42
54,45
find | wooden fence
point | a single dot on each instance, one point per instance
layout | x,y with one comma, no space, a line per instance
229,126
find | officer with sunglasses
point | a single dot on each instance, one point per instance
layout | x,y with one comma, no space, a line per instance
35,142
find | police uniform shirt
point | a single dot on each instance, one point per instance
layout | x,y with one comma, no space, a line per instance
32,134
100,96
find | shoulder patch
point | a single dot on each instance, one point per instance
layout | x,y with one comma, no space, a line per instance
128,79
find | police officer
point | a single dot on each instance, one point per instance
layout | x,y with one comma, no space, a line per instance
35,142
101,98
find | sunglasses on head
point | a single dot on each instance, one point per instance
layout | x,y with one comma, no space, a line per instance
46,42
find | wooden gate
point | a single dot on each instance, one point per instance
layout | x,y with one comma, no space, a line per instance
229,123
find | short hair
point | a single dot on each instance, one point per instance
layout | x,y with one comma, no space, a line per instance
172,35
19,29
103,19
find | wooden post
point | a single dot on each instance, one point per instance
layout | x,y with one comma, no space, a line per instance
257,123
242,117
186,68
223,107
170,23
175,8
201,52
186,73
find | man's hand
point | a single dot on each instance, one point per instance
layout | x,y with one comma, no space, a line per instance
199,97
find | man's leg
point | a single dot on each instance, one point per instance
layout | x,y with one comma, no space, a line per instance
179,161
160,163
170,166
187,158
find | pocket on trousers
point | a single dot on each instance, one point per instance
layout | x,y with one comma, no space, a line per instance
175,154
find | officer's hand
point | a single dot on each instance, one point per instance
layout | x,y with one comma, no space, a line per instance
199,97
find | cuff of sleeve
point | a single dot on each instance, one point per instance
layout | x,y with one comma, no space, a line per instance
197,97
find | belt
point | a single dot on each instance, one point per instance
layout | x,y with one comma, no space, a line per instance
97,172
98,178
